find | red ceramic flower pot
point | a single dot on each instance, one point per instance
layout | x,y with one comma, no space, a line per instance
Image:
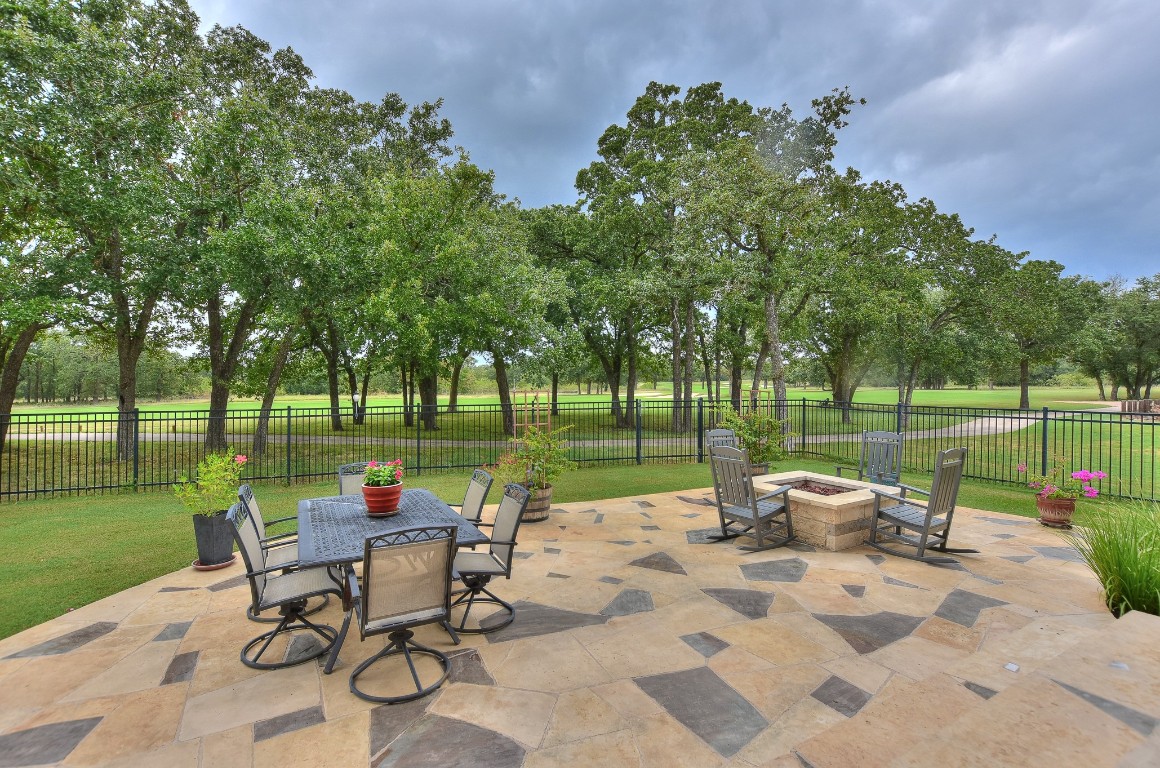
382,499
1055,513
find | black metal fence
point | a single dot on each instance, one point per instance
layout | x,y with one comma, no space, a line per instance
60,453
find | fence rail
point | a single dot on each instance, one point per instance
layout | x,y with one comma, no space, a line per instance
63,453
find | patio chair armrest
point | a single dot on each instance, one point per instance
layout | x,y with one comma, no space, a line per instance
883,495
269,545
279,539
838,468
270,523
352,582
776,492
911,488
482,524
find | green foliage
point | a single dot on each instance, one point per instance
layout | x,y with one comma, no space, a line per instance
759,433
1121,544
216,486
535,460
384,474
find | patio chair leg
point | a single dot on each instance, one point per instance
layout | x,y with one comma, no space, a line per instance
401,643
276,619
333,657
291,622
471,596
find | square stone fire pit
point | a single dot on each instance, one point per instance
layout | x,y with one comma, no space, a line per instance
835,522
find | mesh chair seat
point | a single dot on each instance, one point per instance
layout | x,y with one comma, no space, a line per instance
285,555
295,584
478,562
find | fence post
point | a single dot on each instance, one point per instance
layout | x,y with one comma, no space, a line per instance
802,442
700,430
639,432
1044,451
419,439
289,443
136,446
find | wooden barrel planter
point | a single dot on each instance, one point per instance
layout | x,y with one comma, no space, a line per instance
538,506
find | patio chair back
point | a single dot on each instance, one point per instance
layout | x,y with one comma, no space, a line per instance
250,503
350,478
721,437
881,457
732,480
507,523
944,490
473,500
407,578
254,555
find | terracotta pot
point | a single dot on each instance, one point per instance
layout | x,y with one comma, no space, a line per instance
382,499
538,506
1055,513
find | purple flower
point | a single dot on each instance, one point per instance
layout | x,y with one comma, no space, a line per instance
1083,476
1101,475
1090,492
1021,468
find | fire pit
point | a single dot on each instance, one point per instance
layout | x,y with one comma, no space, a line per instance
827,512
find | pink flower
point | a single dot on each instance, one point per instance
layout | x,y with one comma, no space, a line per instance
1090,492
240,459
372,464
1083,476
1021,468
398,474
1101,475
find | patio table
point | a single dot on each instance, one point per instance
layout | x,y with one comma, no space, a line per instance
333,530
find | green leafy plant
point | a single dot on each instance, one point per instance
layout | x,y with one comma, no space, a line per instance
1121,544
216,485
536,459
760,434
384,474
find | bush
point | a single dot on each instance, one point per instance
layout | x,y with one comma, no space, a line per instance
759,434
1121,544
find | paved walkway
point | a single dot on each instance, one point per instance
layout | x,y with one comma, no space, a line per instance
636,643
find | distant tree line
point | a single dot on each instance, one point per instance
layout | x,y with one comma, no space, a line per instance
163,189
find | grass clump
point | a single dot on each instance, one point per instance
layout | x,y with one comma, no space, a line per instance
1121,544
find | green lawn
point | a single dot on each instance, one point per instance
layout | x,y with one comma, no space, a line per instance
64,553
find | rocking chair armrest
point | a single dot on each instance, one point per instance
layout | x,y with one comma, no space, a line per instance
776,492
883,495
906,487
838,468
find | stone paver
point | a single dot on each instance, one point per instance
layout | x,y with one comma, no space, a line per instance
638,641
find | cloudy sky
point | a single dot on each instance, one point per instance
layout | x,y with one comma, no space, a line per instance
1036,120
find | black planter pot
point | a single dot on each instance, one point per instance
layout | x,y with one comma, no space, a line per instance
215,540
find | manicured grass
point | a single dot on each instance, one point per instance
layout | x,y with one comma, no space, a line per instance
64,553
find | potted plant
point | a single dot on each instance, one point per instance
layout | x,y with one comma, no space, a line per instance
535,461
208,497
382,487
1056,492
760,434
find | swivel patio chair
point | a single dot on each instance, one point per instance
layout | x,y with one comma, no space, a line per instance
350,477
477,569
281,549
471,509
275,586
741,511
716,438
880,460
928,525
406,584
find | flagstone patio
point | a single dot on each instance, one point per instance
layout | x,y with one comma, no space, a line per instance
637,642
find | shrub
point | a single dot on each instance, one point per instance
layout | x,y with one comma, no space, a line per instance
758,433
1121,544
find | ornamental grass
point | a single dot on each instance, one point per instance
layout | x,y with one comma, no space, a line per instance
1121,544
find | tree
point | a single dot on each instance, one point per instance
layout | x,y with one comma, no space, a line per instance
101,90
1037,315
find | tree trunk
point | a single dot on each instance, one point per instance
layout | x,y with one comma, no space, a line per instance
453,394
277,365
690,361
429,401
630,384
678,424
1100,384
129,349
505,393
776,361
352,384
329,351
10,361
223,362
408,414
1024,383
